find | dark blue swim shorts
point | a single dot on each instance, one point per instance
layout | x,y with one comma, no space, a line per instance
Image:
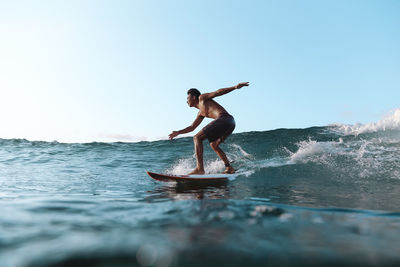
220,128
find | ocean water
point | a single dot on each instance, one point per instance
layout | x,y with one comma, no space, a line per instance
321,196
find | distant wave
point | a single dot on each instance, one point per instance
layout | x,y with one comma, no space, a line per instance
390,122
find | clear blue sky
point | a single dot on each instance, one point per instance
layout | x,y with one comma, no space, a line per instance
82,70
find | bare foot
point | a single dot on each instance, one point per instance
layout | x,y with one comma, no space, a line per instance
196,171
229,170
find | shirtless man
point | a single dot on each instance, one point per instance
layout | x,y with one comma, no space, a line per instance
216,131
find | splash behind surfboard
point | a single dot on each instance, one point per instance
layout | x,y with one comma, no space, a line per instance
205,177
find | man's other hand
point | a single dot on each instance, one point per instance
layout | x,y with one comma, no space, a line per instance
240,85
173,134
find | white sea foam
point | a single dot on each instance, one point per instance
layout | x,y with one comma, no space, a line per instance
308,149
183,166
241,150
327,152
235,153
357,158
186,165
389,122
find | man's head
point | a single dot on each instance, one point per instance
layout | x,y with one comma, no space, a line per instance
193,96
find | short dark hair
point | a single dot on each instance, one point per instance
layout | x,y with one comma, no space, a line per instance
194,91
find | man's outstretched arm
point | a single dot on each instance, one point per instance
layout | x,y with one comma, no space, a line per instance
194,125
222,91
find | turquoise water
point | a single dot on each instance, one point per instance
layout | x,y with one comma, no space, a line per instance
319,196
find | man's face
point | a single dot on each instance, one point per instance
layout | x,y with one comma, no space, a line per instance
190,100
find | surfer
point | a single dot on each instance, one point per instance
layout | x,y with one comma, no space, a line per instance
216,131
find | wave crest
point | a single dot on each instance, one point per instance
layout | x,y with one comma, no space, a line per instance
389,122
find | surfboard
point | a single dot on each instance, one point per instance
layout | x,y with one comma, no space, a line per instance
190,178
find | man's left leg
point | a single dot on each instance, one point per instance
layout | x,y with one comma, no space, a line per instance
215,146
198,147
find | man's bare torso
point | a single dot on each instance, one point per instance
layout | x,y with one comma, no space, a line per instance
210,109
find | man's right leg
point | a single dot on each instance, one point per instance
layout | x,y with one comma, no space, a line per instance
215,146
198,147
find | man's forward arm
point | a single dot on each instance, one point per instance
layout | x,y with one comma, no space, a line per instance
188,129
222,91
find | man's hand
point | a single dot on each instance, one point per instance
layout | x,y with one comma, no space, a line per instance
173,134
240,85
